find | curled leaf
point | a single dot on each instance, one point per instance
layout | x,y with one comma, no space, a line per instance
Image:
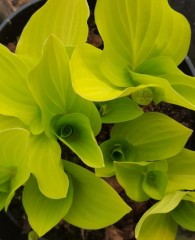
75,131
115,150
155,183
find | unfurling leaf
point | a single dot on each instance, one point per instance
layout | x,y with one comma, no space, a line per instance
50,84
143,96
142,180
75,131
116,149
130,176
155,183
152,136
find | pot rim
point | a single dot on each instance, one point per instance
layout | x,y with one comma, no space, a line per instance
12,26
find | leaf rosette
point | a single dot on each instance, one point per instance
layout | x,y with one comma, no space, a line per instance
37,100
150,137
141,61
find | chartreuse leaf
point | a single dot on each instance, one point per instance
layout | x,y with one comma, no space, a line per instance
74,130
147,29
181,171
154,136
181,88
15,97
69,24
3,198
115,149
185,86
150,137
14,170
50,84
87,80
157,227
49,81
144,84
45,164
184,215
119,110
32,235
142,59
7,122
142,180
157,222
156,179
130,176
155,183
44,213
161,89
95,203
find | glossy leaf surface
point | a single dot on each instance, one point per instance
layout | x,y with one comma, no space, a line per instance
155,136
115,149
143,56
7,122
177,87
155,183
68,23
130,176
45,164
50,84
181,171
15,98
142,180
184,215
119,110
147,29
157,222
95,204
159,226
14,170
44,213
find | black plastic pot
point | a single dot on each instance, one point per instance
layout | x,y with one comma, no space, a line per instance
187,67
8,228
11,27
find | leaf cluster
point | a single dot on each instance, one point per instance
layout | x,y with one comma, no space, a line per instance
57,89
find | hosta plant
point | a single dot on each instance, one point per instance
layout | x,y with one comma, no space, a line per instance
57,90
175,208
